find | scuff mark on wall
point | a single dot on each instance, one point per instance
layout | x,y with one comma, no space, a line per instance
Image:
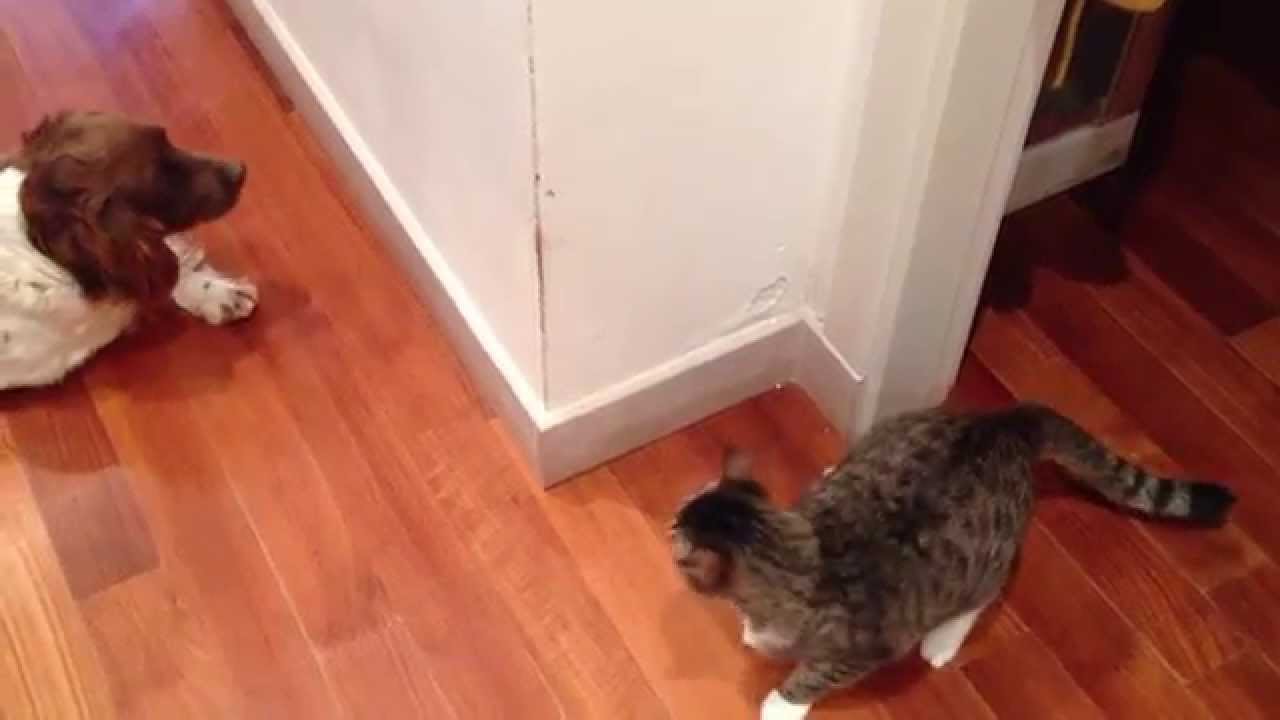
760,307
767,297
539,260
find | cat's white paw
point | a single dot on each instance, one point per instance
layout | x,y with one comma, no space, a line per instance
939,656
776,707
940,645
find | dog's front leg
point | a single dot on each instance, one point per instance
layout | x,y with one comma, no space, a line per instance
205,292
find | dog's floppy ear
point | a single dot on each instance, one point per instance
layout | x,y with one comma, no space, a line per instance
47,125
107,247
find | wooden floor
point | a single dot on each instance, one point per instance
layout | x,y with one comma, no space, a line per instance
311,515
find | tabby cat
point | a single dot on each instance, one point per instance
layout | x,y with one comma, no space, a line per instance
905,542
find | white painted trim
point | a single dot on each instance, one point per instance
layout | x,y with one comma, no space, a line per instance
1079,155
783,349
954,87
827,378
1032,61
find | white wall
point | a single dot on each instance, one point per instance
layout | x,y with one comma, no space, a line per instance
931,175
439,92
898,80
629,215
688,152
687,161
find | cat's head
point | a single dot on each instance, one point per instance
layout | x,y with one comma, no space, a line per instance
716,526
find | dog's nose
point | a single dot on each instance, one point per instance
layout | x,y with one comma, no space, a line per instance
237,173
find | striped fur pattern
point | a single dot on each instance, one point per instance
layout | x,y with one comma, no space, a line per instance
904,543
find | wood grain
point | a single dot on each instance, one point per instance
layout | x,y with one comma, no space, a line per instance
1211,217
1250,601
946,694
1042,689
1139,382
569,633
48,668
798,422
1247,688
313,515
162,659
1114,664
201,530
689,649
785,468
398,569
1261,347
1126,564
1206,557
89,510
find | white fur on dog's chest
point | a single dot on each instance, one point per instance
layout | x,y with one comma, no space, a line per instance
47,326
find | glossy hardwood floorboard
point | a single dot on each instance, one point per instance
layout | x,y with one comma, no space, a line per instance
312,515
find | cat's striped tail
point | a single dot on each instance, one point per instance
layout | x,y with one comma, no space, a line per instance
1118,480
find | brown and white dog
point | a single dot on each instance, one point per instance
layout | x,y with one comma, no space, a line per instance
92,211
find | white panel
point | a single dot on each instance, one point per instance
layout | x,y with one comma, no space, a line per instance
686,156
440,93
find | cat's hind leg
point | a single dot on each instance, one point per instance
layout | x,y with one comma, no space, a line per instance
941,644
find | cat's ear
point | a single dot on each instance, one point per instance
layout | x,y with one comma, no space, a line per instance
737,464
704,569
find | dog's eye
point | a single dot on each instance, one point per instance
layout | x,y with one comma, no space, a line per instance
158,137
171,172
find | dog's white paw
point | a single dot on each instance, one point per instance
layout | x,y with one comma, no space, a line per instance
776,707
215,298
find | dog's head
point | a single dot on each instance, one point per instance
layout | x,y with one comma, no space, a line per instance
102,192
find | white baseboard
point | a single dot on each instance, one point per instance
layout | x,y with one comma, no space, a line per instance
1063,162
563,442
784,349
827,378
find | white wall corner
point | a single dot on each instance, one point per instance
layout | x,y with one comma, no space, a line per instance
829,380
954,112
789,348
536,236
578,436
666,398
849,114
952,85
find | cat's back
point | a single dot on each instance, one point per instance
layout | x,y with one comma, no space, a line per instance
909,478
898,450
899,462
